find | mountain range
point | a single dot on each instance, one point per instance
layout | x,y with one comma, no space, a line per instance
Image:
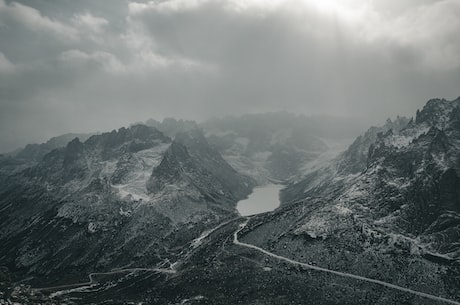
147,214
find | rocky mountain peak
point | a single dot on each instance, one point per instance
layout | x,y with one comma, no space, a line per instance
73,149
176,160
171,127
133,139
35,152
356,158
436,112
191,161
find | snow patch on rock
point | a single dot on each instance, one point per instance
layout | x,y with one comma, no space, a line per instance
145,161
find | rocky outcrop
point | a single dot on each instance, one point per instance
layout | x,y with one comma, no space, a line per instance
35,152
191,162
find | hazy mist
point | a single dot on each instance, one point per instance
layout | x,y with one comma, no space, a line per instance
81,66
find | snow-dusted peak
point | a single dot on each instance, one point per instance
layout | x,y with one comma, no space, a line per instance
437,112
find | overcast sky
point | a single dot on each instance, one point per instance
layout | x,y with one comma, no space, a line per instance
93,65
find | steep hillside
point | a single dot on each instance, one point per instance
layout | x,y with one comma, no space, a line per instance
408,183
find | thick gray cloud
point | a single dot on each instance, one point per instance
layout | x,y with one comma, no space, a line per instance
96,65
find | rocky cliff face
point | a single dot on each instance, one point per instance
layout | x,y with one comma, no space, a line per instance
354,160
191,161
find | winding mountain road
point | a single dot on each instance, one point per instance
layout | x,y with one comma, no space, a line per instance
92,281
197,242
78,286
343,274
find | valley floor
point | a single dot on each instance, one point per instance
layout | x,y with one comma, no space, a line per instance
220,253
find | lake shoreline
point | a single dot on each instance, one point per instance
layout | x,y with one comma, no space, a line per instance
262,199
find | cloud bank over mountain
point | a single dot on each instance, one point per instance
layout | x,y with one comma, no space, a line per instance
93,65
